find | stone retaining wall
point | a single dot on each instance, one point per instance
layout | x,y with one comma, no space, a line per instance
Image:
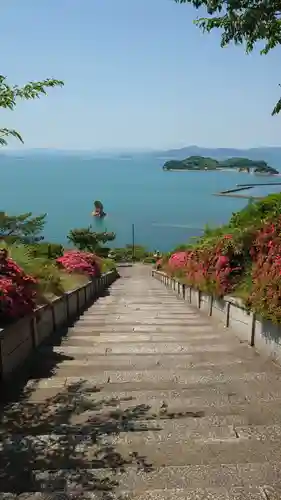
17,341
257,332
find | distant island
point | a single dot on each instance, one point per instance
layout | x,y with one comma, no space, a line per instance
206,163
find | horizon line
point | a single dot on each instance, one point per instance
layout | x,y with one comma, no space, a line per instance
132,151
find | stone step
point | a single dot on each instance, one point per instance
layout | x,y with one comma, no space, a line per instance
89,364
142,348
88,417
160,377
140,295
133,425
132,428
128,313
185,379
140,480
133,337
126,320
222,406
212,393
85,369
252,493
181,334
77,413
115,327
116,338
127,310
100,449
183,360
135,305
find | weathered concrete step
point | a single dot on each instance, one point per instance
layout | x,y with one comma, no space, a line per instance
146,326
127,306
139,315
97,451
225,450
191,334
156,377
83,414
81,368
138,481
159,494
184,362
145,297
148,295
139,326
180,309
141,348
238,356
126,320
150,302
135,428
118,427
252,493
136,419
119,392
87,340
196,395
183,378
114,327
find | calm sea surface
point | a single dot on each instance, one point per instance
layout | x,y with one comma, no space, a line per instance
167,208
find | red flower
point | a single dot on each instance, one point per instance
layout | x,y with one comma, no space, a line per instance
17,296
222,262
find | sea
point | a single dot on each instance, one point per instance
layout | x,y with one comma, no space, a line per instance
164,208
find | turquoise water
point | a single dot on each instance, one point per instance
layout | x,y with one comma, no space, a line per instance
167,208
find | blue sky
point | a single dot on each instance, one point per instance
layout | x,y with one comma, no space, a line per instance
138,75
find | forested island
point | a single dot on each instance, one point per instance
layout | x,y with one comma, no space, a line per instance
206,163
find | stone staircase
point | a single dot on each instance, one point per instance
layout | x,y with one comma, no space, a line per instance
144,398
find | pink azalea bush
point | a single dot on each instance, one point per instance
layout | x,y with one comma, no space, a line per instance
215,269
178,260
74,261
17,292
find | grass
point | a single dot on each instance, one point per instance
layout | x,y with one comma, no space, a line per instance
107,265
72,281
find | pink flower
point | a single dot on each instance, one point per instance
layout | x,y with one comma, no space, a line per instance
178,260
222,262
80,262
17,296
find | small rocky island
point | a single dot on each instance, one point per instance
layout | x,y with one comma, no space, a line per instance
98,210
206,163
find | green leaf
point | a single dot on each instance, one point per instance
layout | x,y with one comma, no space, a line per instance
10,94
243,22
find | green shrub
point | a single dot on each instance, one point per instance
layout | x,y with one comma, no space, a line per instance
102,252
128,253
46,250
258,212
149,260
107,265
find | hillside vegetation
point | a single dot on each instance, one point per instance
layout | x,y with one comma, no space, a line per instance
242,258
34,272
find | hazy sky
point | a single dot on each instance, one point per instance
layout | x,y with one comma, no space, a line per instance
138,74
